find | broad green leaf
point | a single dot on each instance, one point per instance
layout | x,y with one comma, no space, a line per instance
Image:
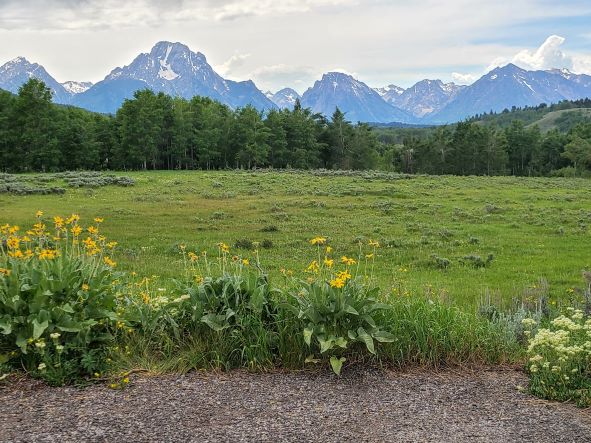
6,326
67,308
369,320
21,342
367,339
310,359
352,335
341,342
39,328
337,364
325,345
351,310
384,337
69,328
214,321
308,335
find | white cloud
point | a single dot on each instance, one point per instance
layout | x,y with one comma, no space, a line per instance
70,15
547,56
229,66
275,77
464,79
384,41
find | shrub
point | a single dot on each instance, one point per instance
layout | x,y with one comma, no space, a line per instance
57,300
476,261
244,243
560,358
440,262
267,244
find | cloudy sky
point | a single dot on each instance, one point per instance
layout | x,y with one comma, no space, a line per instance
281,43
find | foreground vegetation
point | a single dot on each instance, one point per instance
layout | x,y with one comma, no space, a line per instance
65,312
156,131
67,316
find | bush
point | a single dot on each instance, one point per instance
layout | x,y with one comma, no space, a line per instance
560,358
57,300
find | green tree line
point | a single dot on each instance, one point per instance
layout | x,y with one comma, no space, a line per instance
157,131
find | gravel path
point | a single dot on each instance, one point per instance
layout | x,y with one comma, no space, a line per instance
368,406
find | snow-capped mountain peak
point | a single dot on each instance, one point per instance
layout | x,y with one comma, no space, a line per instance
19,70
285,98
358,101
74,87
390,89
174,69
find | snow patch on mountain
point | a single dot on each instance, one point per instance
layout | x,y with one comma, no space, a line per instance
74,87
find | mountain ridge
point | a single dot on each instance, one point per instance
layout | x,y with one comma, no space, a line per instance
172,68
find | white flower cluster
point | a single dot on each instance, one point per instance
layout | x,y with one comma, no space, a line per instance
563,348
564,322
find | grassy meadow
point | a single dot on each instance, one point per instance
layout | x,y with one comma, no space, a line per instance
535,228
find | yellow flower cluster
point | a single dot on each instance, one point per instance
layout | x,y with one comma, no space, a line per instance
318,241
43,244
348,261
340,279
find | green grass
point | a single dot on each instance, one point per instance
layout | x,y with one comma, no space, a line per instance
535,227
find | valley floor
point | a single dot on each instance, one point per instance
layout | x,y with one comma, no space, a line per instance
447,406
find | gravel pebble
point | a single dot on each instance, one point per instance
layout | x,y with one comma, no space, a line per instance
362,406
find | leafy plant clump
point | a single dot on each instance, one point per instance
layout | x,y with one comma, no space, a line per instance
57,299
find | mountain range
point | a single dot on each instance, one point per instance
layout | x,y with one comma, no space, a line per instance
174,69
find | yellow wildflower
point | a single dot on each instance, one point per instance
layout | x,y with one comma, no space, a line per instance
313,267
98,220
13,242
343,275
348,261
337,283
15,254
48,254
73,219
109,262
245,262
318,241
39,214
328,262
